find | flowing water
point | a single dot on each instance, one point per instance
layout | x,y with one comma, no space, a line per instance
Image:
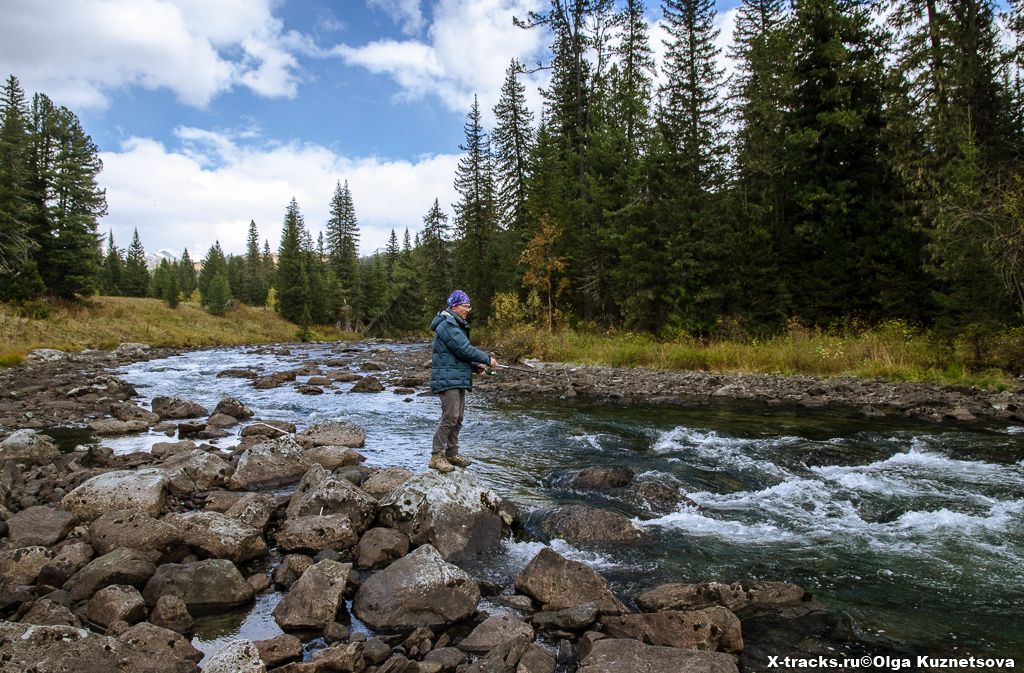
914,531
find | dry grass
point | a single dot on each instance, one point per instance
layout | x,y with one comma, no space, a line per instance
105,322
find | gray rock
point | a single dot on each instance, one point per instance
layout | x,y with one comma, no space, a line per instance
315,532
45,356
332,433
616,655
41,525
570,619
736,596
221,421
171,613
420,589
455,513
271,463
581,525
112,426
536,660
164,449
280,650
70,559
268,429
711,629
382,482
121,566
219,535
380,546
315,599
342,658
320,492
602,478
27,447
126,411
132,529
495,632
502,659
195,470
449,658
238,656
333,457
176,408
291,569
229,406
253,509
168,651
116,602
48,613
141,490
558,583
204,586
22,566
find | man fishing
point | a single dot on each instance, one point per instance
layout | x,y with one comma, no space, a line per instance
453,362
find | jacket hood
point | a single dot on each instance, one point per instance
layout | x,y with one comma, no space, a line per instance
440,318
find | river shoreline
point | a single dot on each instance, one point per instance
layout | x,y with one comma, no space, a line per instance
71,389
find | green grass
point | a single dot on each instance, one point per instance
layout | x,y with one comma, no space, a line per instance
105,322
892,351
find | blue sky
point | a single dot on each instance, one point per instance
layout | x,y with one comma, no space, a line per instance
212,113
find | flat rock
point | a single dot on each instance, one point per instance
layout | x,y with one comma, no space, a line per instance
195,470
41,525
219,535
736,596
280,650
617,655
141,490
333,457
558,583
121,566
495,632
315,599
132,529
536,660
711,629
22,566
268,429
112,426
126,411
332,433
170,652
570,619
48,613
382,482
271,463
316,532
176,408
253,509
420,589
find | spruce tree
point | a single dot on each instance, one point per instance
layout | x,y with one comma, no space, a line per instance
254,291
186,274
16,243
391,254
475,217
135,281
267,267
113,269
435,257
172,290
218,294
291,281
511,141
160,279
214,264
343,236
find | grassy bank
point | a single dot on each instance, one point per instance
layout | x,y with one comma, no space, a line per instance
892,351
104,322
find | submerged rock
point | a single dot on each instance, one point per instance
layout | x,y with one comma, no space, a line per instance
602,478
580,525
617,655
735,596
420,589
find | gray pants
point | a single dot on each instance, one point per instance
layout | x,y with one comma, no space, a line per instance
446,439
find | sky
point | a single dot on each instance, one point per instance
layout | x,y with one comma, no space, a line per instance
212,113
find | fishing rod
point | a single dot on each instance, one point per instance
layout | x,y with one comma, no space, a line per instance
528,370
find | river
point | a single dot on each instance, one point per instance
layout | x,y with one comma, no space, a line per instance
914,531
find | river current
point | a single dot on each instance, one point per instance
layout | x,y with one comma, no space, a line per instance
914,532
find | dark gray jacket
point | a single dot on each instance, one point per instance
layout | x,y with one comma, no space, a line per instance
451,363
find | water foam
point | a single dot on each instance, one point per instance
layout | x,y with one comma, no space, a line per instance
521,553
706,448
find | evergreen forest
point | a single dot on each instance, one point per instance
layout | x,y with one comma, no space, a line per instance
861,164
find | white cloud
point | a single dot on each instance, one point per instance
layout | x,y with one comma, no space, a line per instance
211,187
78,50
406,13
468,47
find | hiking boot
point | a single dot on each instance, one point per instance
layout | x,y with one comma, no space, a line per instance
440,463
458,461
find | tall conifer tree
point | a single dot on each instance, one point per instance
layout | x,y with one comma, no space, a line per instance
135,281
292,278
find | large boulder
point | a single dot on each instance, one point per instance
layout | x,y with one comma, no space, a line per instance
121,566
238,656
176,408
22,566
315,599
455,513
581,525
27,447
332,433
271,463
495,632
195,470
141,490
383,481
420,589
380,546
205,586
114,603
132,529
60,649
616,655
169,651
736,596
320,493
558,583
219,535
40,525
315,532
229,406
709,629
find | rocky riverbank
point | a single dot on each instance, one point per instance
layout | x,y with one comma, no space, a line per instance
105,560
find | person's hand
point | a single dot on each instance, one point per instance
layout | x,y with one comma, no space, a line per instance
494,363
479,368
